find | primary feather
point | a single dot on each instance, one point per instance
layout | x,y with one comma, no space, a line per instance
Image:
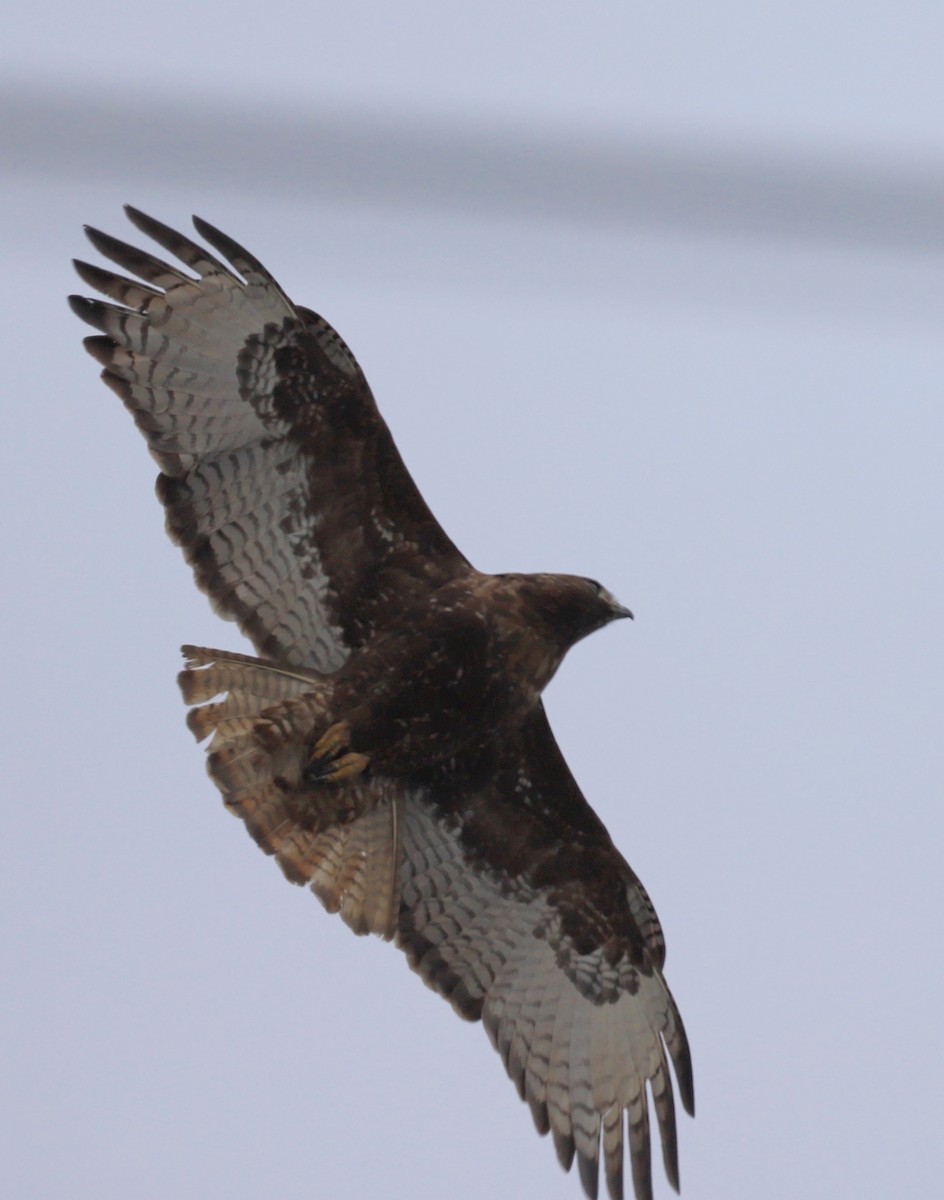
390,748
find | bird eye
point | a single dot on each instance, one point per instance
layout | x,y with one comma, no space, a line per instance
597,587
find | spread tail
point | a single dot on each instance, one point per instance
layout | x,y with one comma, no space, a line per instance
340,838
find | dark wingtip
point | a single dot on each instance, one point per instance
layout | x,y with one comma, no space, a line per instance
237,255
94,276
589,1170
104,243
681,1057
149,225
135,215
539,1115
204,228
614,1181
564,1145
223,243
86,310
686,1088
101,348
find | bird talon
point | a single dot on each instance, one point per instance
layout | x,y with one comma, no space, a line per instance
337,769
329,762
347,766
331,743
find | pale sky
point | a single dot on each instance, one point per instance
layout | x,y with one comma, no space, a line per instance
717,404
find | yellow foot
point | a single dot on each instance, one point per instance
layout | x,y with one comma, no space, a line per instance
341,768
331,742
328,763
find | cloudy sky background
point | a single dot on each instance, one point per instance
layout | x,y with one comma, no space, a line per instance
650,293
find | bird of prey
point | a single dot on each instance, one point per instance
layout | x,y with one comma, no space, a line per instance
389,747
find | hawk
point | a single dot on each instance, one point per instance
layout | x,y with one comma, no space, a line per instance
389,747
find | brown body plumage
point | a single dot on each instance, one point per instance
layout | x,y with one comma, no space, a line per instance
475,655
390,748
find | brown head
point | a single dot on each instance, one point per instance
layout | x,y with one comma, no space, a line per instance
552,613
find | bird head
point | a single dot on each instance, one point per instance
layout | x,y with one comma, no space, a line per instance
557,611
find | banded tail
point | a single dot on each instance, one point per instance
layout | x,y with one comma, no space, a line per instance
342,839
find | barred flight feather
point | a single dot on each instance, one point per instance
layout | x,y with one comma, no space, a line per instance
451,821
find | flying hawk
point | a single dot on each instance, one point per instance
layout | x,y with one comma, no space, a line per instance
390,747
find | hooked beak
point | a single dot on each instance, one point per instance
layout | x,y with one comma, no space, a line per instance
618,610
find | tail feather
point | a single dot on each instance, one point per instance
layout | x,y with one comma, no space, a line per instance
342,839
354,868
209,673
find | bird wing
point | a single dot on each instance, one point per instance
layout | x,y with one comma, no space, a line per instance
516,906
501,885
280,480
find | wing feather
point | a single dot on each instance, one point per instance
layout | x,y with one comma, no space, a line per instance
280,479
546,933
501,886
288,497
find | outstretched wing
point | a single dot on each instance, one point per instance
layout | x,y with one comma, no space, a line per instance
500,884
280,480
516,906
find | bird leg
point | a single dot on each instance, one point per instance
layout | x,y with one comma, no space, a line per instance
330,760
